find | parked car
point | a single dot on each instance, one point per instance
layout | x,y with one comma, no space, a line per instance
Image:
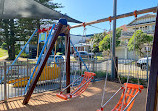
84,54
51,58
142,63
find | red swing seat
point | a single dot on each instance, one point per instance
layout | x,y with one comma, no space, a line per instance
87,77
131,91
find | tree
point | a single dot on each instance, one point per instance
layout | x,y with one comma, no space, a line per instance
50,4
20,29
8,36
96,39
137,41
104,45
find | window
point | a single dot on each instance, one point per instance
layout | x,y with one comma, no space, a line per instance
140,28
145,27
81,52
153,27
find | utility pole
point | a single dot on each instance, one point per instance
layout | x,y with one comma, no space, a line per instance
113,40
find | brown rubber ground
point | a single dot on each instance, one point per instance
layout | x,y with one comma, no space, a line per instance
90,100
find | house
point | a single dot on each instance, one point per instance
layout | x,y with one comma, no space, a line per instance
81,47
146,23
80,43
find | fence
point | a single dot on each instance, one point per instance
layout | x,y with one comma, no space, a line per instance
15,77
53,76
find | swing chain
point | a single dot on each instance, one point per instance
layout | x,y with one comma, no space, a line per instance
135,15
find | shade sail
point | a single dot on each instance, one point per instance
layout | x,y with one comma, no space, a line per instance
10,9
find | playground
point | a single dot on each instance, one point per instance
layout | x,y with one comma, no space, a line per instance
57,82
88,101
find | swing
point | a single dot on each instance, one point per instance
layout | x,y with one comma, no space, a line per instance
126,101
87,77
130,91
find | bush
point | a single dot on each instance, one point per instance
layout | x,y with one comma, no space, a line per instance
133,81
102,74
17,49
23,54
4,46
59,53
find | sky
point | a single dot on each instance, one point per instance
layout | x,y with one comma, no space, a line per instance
90,10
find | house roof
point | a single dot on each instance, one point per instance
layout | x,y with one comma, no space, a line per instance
81,45
10,9
147,15
124,27
87,35
141,17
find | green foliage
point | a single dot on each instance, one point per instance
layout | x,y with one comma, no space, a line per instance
133,80
59,53
8,35
4,46
99,57
96,39
118,33
137,41
50,4
21,29
104,45
3,52
24,55
17,49
102,74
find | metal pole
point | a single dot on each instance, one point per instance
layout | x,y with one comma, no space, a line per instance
67,61
5,81
113,39
147,62
131,101
60,65
152,9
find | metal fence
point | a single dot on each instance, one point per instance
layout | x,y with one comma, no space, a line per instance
15,77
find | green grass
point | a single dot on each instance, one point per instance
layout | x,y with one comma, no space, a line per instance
99,58
3,52
59,53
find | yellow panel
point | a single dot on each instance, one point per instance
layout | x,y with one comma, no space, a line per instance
48,73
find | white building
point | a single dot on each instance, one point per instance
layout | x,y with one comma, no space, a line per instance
80,43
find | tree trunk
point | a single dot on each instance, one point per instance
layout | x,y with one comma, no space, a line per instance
38,27
12,40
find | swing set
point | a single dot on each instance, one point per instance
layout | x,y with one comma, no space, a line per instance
130,91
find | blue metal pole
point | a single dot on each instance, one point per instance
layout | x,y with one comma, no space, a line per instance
39,58
20,52
79,56
24,46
